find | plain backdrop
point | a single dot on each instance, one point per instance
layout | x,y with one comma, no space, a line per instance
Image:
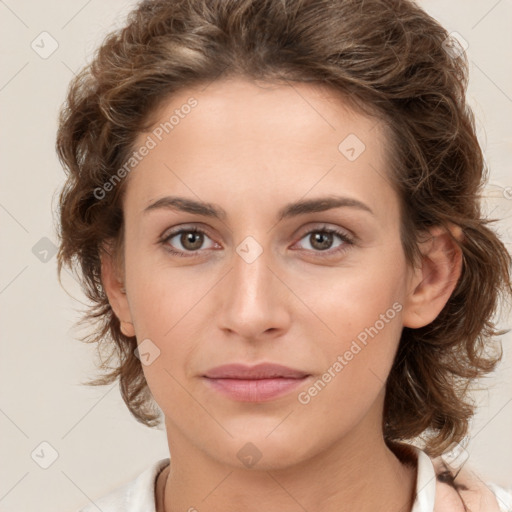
91,443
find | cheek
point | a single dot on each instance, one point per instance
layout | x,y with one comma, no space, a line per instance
359,315
160,295
356,365
350,301
168,308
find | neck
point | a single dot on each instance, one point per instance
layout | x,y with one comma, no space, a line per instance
356,473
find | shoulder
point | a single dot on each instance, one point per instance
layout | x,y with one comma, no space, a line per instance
464,487
135,496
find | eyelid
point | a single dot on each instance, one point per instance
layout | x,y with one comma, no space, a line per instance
164,241
321,226
169,232
177,230
347,242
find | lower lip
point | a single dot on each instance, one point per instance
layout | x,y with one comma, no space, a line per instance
255,390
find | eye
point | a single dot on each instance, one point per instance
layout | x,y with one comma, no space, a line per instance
321,240
190,239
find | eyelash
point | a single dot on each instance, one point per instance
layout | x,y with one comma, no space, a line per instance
348,241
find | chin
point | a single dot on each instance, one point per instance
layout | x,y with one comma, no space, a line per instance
256,449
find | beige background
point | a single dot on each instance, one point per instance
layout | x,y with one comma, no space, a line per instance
99,445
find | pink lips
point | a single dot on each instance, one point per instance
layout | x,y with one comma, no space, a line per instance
254,383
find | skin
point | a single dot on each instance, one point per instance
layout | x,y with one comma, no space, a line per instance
251,148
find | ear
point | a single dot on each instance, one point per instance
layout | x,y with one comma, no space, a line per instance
114,288
432,283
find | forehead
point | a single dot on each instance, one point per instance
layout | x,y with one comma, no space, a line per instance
260,138
242,107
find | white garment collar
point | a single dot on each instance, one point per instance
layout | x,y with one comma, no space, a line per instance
425,483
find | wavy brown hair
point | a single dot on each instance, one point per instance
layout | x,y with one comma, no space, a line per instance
388,59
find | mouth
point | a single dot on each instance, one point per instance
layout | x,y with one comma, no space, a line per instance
258,383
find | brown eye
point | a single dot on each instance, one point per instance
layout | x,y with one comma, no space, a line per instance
321,241
191,240
185,242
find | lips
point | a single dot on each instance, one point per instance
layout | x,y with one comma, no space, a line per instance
260,371
259,383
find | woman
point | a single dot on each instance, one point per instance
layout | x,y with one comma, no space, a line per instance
274,209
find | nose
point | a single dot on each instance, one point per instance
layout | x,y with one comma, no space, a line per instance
254,301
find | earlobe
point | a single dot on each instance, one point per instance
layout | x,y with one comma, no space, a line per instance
115,290
435,280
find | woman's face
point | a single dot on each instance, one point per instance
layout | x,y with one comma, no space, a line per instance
319,288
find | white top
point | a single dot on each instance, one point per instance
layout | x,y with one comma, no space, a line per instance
139,494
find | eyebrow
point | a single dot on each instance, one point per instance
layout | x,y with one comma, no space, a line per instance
301,207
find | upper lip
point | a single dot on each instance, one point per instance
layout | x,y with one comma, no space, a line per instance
259,371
